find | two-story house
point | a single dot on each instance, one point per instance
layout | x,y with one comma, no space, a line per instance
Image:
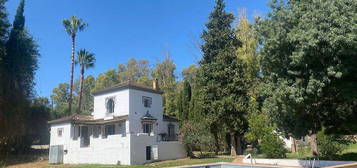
127,127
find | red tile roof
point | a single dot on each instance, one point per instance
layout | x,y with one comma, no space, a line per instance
127,85
86,119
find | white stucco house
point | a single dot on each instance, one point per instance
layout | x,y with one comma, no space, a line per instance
127,127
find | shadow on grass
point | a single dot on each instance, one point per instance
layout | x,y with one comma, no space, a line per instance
347,157
32,155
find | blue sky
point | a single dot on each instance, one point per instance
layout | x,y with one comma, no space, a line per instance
119,30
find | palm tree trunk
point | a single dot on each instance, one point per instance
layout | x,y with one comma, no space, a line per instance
81,91
72,71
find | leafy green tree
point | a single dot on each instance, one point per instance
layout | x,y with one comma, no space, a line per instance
18,67
247,52
22,54
107,79
88,87
85,60
164,73
72,26
134,70
309,57
190,74
4,26
59,98
60,94
37,118
223,91
184,101
196,136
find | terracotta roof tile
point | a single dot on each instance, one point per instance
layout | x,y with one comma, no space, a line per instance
127,85
86,119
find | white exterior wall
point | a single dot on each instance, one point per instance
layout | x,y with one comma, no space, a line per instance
128,146
121,104
166,150
137,110
66,134
114,149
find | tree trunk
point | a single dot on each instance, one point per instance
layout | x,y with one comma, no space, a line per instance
293,145
228,142
81,91
70,99
313,145
233,145
239,145
189,151
214,132
216,142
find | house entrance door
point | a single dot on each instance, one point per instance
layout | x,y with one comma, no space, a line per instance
85,141
148,152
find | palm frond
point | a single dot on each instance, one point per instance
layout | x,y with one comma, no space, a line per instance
85,58
73,25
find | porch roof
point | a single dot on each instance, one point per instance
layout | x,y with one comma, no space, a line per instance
170,118
86,119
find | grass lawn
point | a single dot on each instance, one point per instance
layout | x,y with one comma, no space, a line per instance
172,163
350,154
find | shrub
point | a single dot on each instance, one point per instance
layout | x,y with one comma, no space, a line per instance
331,145
196,136
272,146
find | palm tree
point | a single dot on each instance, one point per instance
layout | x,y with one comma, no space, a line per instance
72,26
85,60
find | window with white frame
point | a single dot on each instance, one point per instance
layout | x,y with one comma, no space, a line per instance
147,101
110,105
59,132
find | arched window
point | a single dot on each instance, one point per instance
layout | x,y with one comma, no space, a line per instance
110,105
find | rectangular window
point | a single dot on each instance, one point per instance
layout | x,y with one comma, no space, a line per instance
59,132
109,130
171,131
147,128
147,101
96,131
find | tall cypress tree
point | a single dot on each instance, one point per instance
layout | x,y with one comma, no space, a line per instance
183,102
22,54
18,71
221,79
4,26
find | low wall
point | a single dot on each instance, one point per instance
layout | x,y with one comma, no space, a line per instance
171,150
167,150
295,162
114,149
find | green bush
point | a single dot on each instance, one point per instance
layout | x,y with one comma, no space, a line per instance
331,145
272,146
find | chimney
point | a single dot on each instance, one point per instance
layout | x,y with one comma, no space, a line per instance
155,84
